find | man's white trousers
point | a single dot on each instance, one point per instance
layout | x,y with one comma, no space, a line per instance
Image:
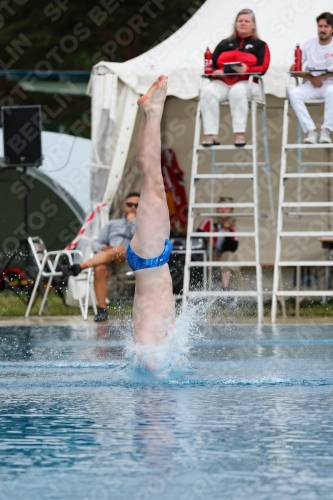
307,92
238,96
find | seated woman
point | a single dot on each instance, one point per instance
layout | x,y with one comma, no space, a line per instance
149,250
243,46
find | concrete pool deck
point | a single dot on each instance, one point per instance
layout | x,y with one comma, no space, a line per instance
78,320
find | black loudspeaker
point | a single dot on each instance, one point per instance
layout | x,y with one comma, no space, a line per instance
22,135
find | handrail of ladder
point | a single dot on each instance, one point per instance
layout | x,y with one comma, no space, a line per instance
283,204
191,233
289,76
261,85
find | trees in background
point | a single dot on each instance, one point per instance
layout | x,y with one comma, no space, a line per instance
75,34
51,35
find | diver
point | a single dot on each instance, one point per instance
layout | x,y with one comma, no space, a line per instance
149,250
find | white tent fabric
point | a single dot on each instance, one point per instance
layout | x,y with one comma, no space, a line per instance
114,110
281,24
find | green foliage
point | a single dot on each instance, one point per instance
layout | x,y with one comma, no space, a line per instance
11,305
82,33
55,35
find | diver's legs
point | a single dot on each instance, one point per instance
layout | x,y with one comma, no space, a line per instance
152,220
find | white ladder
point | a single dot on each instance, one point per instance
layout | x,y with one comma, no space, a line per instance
299,175
253,206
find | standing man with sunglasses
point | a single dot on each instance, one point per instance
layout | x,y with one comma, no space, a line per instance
110,252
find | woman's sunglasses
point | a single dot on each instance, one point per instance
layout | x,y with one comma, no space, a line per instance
130,205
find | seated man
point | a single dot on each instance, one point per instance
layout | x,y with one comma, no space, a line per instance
225,248
318,53
110,248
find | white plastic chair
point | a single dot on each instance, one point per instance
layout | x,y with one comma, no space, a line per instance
47,268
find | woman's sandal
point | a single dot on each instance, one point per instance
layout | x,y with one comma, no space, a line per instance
209,143
240,142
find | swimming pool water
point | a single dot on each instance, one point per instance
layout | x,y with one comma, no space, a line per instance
250,417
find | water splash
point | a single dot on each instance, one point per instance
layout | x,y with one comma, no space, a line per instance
171,355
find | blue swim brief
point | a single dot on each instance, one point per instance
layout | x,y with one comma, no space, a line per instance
137,263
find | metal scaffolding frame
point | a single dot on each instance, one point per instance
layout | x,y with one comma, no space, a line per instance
254,103
299,204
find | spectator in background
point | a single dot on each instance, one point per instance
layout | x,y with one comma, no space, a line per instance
243,46
225,247
110,253
318,54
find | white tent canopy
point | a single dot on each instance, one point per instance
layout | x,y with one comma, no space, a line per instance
116,86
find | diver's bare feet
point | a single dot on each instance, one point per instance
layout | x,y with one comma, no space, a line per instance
152,102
